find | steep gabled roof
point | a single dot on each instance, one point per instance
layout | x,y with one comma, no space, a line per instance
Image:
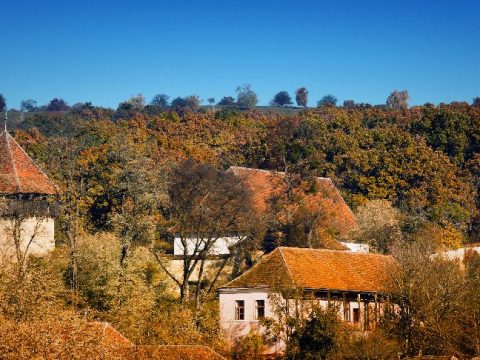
18,172
317,269
266,184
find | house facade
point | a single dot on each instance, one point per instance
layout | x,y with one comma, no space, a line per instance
351,281
27,206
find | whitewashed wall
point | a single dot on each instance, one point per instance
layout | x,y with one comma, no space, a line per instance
220,246
40,230
233,329
356,247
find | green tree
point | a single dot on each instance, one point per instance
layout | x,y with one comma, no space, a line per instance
57,104
476,101
282,98
246,97
316,337
301,96
160,100
28,105
327,100
3,103
227,101
349,104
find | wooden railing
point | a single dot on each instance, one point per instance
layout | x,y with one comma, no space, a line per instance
22,208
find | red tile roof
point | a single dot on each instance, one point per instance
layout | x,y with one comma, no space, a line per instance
318,269
18,172
265,185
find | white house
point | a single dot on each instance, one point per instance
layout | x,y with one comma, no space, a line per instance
26,210
459,254
219,247
353,281
356,247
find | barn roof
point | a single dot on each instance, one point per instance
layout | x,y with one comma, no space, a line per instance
18,172
317,269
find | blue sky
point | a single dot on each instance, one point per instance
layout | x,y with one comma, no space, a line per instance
104,51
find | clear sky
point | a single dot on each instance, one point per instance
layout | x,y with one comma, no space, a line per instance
104,51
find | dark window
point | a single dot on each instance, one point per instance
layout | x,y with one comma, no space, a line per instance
239,310
356,315
260,309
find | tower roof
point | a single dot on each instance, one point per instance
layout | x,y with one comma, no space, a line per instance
18,172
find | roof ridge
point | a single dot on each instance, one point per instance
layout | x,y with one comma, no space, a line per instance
14,167
233,167
280,249
332,250
41,172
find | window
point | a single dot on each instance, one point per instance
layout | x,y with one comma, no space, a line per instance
239,310
346,311
356,315
259,309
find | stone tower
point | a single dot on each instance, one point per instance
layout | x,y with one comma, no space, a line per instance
27,203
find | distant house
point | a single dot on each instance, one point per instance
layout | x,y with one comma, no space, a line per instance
356,247
352,281
221,247
26,211
219,252
317,196
460,254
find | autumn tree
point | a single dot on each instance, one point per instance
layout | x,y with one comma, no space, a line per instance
246,97
378,225
476,101
205,205
301,96
432,322
282,98
398,99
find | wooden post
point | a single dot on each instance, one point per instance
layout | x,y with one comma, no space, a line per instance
359,311
366,317
344,304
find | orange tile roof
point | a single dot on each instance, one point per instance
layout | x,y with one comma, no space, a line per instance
177,352
317,269
266,184
18,172
109,334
